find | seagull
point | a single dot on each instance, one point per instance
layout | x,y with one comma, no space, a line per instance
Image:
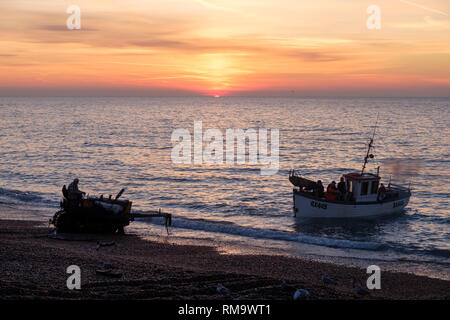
359,290
221,289
301,294
327,280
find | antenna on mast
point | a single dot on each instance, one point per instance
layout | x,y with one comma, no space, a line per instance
368,154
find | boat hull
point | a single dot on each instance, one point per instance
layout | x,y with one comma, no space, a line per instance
310,207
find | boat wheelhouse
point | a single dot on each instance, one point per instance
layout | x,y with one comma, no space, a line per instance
362,187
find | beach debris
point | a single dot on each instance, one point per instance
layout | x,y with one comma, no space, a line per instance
105,244
301,294
327,280
221,289
69,237
109,273
359,289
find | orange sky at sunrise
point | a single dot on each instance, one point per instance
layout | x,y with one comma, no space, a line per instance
225,47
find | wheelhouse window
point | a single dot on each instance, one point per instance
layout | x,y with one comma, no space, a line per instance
364,188
374,187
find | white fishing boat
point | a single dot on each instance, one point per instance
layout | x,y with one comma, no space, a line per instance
362,196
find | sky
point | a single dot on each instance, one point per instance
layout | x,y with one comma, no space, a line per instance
225,48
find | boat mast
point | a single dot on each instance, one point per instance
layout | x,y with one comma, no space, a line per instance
368,155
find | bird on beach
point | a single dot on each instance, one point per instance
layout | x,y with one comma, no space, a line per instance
221,289
327,280
301,294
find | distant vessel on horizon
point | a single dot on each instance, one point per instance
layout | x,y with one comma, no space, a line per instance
360,195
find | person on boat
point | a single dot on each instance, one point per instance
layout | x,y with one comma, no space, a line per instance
381,192
332,191
342,188
74,194
319,190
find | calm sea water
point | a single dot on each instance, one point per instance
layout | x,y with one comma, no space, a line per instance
110,143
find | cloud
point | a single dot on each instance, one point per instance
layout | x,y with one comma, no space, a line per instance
214,4
417,5
427,23
60,27
312,56
160,43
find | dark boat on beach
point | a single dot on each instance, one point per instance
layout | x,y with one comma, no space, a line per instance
98,215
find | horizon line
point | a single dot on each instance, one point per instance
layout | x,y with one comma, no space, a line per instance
224,96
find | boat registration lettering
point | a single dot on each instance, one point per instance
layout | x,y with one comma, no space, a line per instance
319,205
398,203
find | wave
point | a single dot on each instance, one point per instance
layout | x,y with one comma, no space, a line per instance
230,228
227,209
440,253
428,252
234,229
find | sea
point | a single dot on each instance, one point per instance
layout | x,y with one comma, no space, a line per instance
111,143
